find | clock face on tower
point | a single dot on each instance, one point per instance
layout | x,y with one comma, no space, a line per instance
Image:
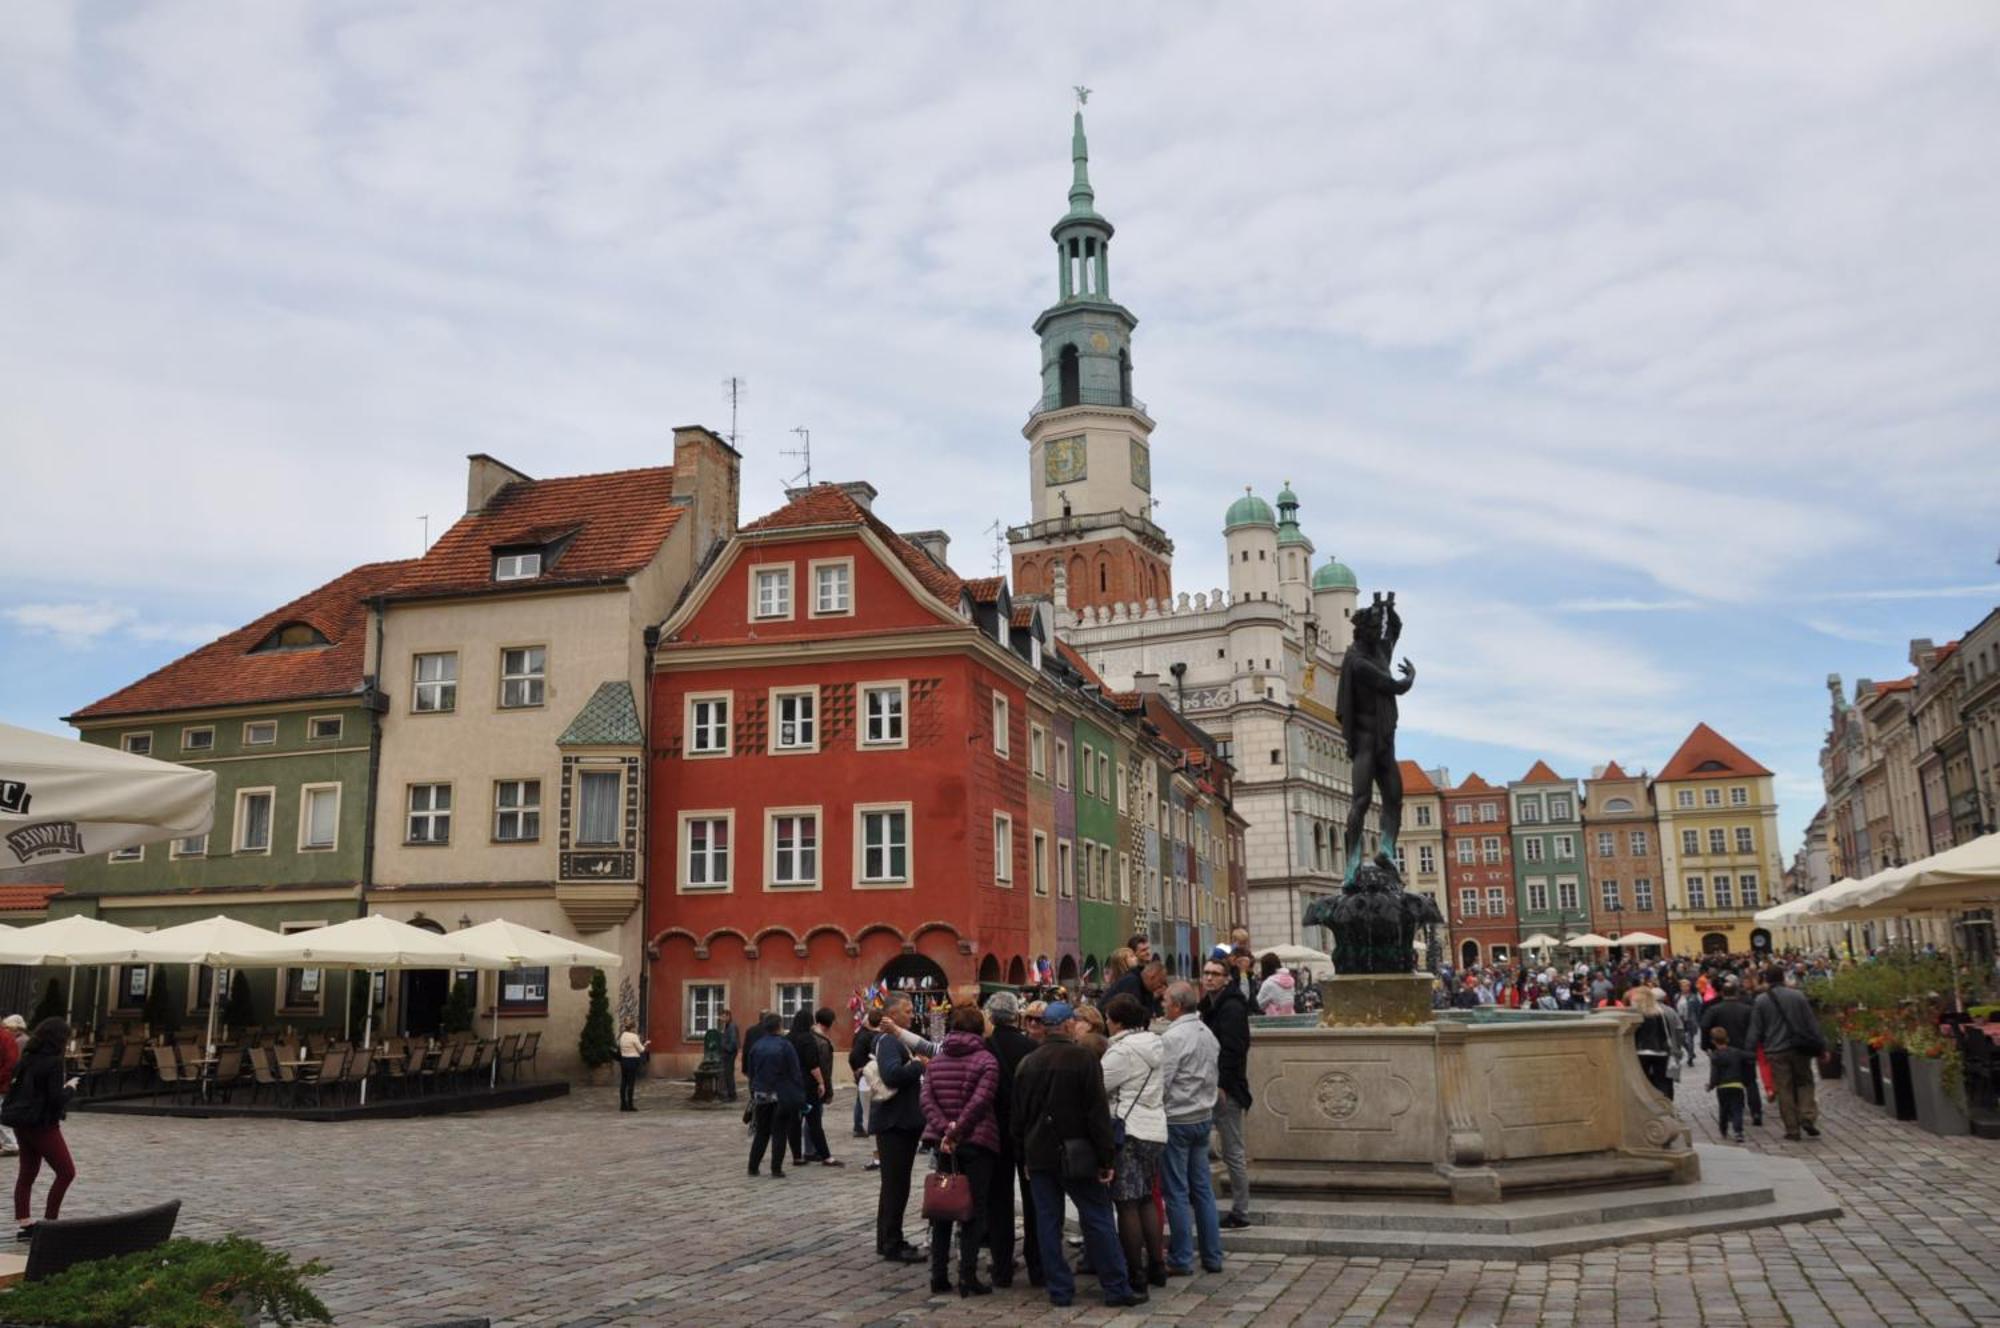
1142,466
1064,460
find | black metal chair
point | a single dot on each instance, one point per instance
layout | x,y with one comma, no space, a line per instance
62,1242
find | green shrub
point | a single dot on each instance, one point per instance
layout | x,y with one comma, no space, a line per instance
160,1014
50,1006
459,1008
598,1043
181,1284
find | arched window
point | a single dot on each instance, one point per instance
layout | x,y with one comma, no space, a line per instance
1069,378
1103,574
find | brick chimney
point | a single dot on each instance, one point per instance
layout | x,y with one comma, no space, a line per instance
933,542
485,477
708,481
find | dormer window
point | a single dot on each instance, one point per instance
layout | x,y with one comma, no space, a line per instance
291,636
517,565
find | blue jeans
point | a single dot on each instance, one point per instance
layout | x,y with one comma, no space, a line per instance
1100,1236
1190,1199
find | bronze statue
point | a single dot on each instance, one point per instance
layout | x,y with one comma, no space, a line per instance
1374,920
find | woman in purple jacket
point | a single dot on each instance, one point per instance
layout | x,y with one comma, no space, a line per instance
958,1095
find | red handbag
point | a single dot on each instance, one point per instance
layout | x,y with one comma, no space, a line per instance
947,1194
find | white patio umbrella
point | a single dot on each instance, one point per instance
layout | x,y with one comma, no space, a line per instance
204,941
62,799
1300,956
1635,939
1962,877
1590,940
1541,940
61,940
515,946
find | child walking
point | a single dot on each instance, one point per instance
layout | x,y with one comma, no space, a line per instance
1729,1071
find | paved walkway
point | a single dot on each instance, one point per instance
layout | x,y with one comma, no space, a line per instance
570,1213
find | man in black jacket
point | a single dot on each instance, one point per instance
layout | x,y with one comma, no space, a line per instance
1783,1024
1732,1013
898,1126
857,1061
1010,1047
1227,1015
1059,1097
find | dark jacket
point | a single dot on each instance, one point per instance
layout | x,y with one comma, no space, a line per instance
1783,1020
37,1096
905,1074
1731,1065
824,1044
732,1042
750,1037
1731,1013
860,1050
1227,1015
775,1071
1133,983
1010,1047
1058,1095
960,1087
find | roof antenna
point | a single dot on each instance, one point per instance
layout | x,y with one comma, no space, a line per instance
804,451
425,547
735,386
999,534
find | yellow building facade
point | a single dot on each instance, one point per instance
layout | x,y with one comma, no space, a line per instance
1719,849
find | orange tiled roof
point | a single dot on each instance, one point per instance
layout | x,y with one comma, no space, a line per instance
1068,652
615,523
26,897
985,589
1414,778
830,505
1539,773
225,672
1023,617
1613,771
1708,755
1472,784
1946,651
1896,685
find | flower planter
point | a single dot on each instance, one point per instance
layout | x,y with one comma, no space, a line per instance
1860,1075
1902,1093
1878,1077
1936,1110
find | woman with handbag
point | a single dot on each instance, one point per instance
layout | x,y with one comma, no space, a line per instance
1133,1083
1653,1040
34,1108
958,1096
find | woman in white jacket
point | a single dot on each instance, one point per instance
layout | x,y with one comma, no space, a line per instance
1135,1088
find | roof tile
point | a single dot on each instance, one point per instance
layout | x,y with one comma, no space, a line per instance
830,505
1414,778
1708,755
227,672
1539,773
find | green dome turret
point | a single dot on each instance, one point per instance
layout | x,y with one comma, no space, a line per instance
1289,534
1335,575
1249,510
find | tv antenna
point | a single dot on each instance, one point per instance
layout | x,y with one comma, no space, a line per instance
999,533
735,387
804,452
425,546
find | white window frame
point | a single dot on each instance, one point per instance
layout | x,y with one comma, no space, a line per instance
1496,901
1124,878
693,728
1038,751
1462,814
135,853
779,695
1104,776
1642,893
1002,722
125,742
798,884
1640,843
813,569
778,997
536,681
1065,869
1003,850
1531,849
339,723
193,729
436,686
1062,763
1087,758
754,582
525,566
1746,839
1489,849
1610,897
1538,896
306,792
588,767
1690,843
1468,852
1039,864
900,689
517,811
1697,891
177,850
251,726
1749,890
1718,840
1607,843
1489,811
237,848
907,880
1739,796
685,848
1564,848
1569,893
1684,797
1468,901
1427,860
1711,796
689,1033
430,813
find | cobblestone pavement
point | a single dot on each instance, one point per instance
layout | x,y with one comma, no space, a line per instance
571,1213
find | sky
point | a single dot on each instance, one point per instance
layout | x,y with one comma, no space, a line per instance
1647,352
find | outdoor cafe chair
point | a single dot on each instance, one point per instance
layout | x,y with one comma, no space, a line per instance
476,1074
228,1070
531,1046
285,1070
326,1072
132,1061
103,1063
509,1045
360,1064
447,1065
262,1075
173,1075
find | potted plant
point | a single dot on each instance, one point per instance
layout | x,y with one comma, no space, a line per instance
598,1043
186,1283
50,1006
459,1008
239,1010
1937,1081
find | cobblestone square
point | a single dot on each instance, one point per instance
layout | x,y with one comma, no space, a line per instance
570,1213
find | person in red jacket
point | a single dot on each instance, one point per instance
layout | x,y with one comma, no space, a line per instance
13,1031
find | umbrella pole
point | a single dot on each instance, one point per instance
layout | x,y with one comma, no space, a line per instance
214,995
367,1027
493,1068
347,1014
69,1013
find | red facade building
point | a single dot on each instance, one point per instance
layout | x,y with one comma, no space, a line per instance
841,767
1479,874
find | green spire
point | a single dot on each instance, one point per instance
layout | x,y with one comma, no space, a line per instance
1082,201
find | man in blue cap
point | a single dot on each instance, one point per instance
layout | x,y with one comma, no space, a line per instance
1061,1124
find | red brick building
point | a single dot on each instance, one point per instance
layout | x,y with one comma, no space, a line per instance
841,766
1479,874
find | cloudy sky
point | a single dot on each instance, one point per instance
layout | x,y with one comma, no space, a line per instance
1647,351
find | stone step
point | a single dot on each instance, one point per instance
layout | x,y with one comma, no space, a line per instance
1546,1213
1571,1173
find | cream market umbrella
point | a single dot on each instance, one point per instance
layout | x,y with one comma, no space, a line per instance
60,940
62,799
1590,940
1634,939
1301,956
216,943
1541,940
1841,901
1967,876
511,945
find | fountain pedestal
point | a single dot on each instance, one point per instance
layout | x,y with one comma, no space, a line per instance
1376,1000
